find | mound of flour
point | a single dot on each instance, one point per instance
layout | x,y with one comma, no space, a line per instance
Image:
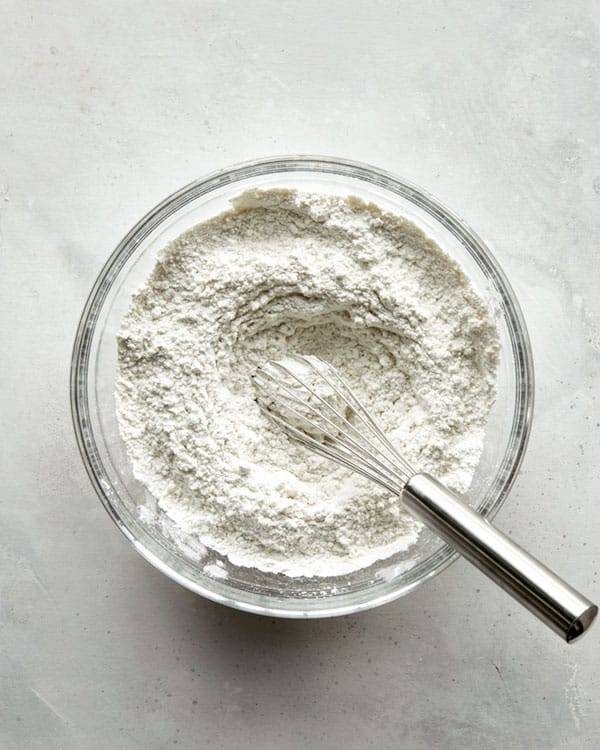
287,271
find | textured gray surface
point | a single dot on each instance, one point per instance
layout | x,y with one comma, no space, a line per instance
492,107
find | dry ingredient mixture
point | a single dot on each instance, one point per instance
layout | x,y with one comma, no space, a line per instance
285,271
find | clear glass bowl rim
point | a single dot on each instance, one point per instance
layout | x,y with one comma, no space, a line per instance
519,339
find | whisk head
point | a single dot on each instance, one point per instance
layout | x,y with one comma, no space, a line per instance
308,398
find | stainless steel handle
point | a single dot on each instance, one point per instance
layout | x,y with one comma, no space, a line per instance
532,584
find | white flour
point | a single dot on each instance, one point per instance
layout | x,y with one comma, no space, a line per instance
286,271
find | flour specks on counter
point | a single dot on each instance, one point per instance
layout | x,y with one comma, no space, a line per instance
287,271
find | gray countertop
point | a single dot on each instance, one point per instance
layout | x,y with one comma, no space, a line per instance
492,107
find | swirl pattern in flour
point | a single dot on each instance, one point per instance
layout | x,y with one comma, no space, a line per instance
287,271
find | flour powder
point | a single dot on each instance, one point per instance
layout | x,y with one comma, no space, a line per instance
288,271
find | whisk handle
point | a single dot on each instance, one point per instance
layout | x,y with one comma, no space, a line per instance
532,584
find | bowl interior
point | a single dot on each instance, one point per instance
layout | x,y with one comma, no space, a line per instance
133,508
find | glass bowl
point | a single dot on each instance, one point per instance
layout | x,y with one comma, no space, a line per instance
130,505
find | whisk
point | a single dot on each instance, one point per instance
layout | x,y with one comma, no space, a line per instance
314,405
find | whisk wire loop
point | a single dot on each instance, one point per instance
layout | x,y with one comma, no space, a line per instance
354,458
284,393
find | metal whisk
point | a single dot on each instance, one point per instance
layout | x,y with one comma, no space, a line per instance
309,399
